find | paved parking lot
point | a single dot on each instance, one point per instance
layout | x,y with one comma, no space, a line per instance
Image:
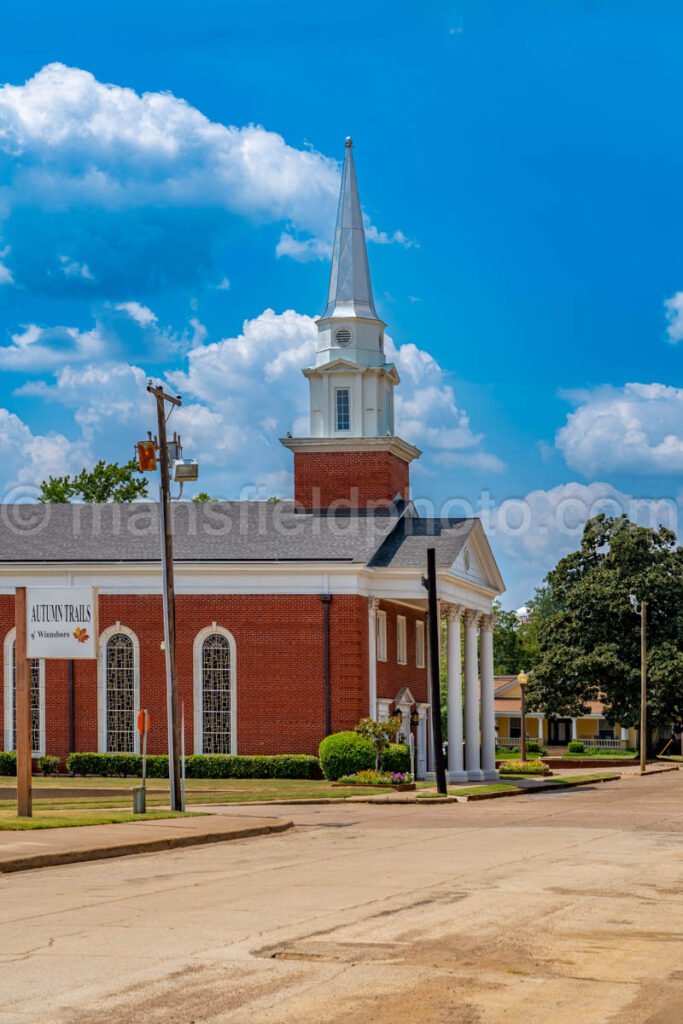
559,907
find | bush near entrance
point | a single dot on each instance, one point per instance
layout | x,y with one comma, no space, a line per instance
198,766
396,758
576,747
345,753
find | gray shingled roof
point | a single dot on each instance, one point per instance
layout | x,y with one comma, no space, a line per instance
241,531
406,546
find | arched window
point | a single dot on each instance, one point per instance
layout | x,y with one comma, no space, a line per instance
37,699
214,692
118,690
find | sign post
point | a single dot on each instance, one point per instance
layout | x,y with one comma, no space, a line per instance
140,792
22,704
51,622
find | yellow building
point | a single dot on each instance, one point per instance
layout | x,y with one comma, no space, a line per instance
592,729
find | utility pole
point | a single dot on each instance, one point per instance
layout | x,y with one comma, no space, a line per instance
435,680
166,536
643,686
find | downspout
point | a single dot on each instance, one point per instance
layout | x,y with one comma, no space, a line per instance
326,599
72,709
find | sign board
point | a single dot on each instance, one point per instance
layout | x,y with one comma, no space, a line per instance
61,622
144,722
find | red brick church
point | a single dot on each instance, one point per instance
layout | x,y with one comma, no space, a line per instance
294,618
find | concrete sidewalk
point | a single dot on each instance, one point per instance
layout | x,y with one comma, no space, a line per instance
38,848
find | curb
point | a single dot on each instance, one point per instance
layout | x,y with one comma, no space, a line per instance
27,862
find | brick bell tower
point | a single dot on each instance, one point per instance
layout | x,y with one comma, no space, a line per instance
353,458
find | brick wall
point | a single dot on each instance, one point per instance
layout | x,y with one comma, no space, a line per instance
358,479
390,675
279,668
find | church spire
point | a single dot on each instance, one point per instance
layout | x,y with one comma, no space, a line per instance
350,293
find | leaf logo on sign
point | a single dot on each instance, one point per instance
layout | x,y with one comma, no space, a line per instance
81,635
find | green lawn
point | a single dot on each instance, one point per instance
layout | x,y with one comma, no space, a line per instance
61,817
199,791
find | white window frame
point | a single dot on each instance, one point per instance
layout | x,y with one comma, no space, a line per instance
401,640
381,635
105,636
419,643
198,681
337,392
8,701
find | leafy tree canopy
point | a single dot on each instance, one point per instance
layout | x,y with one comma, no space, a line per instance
589,634
104,482
515,642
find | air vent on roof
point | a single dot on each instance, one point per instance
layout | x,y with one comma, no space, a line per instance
343,336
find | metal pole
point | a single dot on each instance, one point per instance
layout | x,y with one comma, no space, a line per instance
166,536
643,686
326,598
182,749
439,765
22,706
522,689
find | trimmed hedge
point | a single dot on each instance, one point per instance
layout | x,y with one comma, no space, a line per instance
345,753
8,762
199,766
576,747
396,758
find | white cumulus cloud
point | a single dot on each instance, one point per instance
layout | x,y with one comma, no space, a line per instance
151,171
674,317
637,428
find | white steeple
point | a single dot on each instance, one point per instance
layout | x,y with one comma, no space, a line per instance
351,384
350,292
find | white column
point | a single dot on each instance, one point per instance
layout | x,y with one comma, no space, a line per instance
456,770
540,729
488,713
575,731
373,605
472,756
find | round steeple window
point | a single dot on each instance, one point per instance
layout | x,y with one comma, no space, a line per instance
343,336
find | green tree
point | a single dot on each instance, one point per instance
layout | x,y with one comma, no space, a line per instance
380,734
589,635
203,497
104,482
515,641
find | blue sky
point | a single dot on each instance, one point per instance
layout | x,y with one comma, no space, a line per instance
168,178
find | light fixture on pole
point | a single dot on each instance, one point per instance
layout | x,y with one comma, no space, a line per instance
640,608
523,679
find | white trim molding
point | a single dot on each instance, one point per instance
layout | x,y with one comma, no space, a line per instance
105,637
198,685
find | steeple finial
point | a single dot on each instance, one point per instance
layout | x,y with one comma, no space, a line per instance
350,293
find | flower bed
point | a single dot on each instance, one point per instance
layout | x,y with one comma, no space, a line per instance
399,781
524,768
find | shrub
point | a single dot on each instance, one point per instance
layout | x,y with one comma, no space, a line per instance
8,762
199,766
524,768
576,747
252,766
396,758
535,748
345,753
48,764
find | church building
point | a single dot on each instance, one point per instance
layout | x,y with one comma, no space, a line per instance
294,618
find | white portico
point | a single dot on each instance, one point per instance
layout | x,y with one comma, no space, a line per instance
468,581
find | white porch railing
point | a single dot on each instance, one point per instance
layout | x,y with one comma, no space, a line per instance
612,744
